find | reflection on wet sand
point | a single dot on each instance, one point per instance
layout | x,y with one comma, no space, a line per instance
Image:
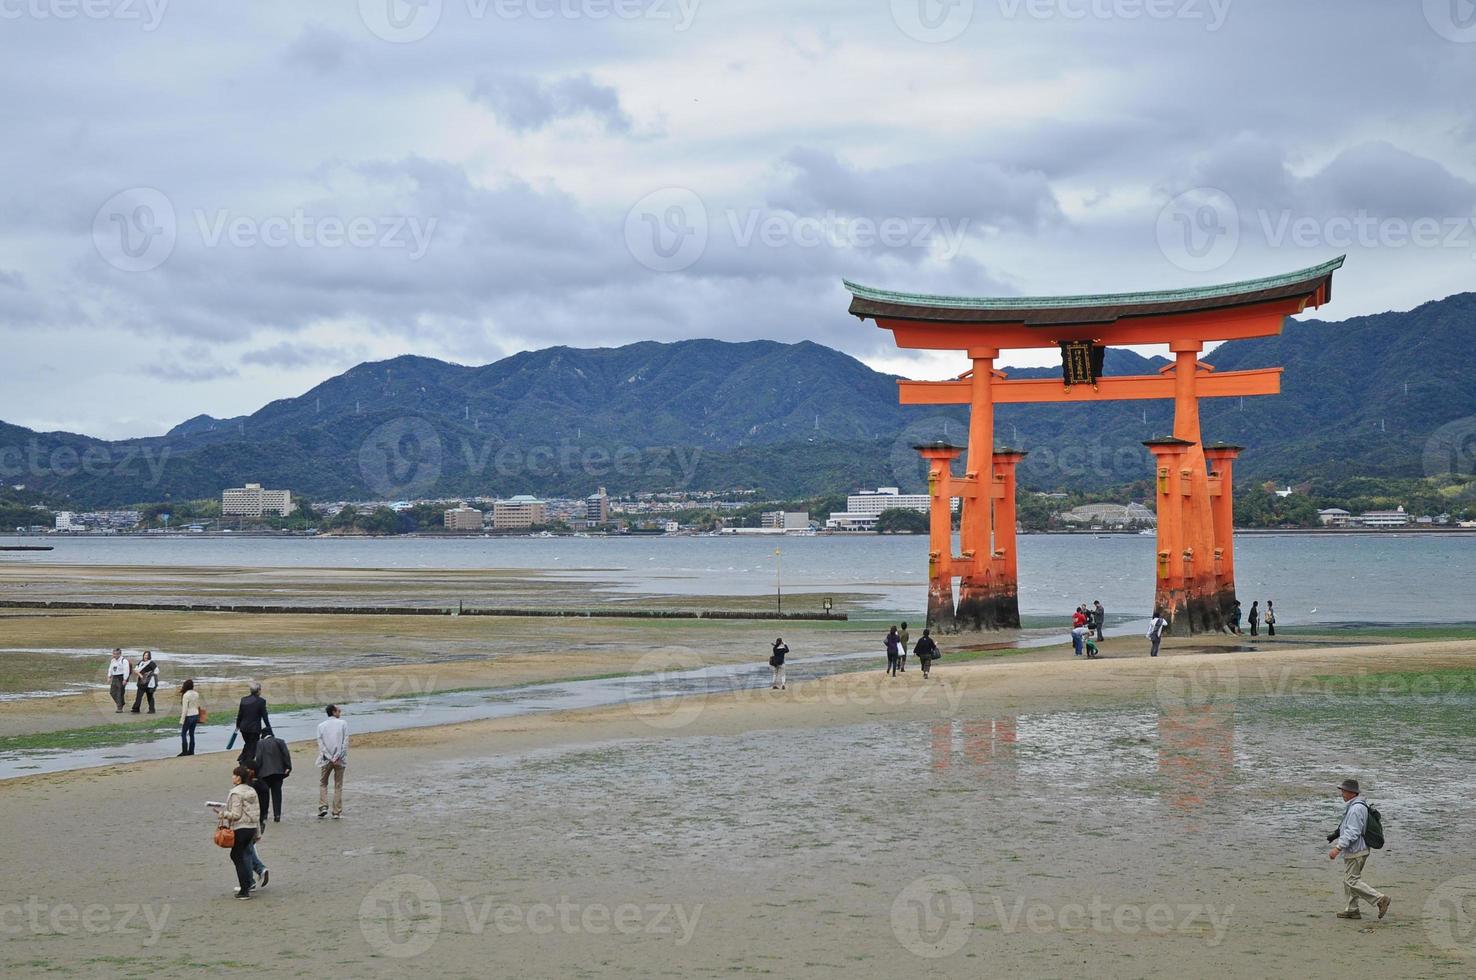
1196,754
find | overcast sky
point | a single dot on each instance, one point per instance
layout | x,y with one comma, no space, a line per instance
205,206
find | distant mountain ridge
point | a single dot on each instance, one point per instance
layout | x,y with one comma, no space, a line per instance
1364,395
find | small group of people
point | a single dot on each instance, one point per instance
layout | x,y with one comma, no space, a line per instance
144,675
268,754
897,643
1254,618
257,780
1158,624
1086,628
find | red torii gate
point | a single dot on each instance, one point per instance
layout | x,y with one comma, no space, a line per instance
1196,548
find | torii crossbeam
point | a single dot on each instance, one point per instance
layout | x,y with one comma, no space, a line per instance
1196,549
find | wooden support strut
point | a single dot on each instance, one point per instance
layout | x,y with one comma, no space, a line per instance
1229,384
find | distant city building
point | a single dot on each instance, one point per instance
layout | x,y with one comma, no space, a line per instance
520,511
463,519
1110,515
253,501
785,520
862,509
97,520
1384,518
1334,517
597,508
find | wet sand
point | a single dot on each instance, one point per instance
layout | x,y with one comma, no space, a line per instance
1042,817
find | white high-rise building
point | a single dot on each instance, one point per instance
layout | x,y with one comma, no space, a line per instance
252,501
863,508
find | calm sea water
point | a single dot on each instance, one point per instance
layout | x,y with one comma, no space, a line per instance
1388,578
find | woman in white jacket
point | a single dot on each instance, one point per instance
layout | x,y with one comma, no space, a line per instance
189,716
242,813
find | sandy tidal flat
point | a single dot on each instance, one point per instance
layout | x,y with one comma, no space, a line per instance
1117,819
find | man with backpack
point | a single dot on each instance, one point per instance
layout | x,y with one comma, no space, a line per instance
1361,829
1155,631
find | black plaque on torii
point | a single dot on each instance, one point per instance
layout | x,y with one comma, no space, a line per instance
1081,362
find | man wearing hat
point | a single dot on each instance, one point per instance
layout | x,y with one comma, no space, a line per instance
1351,845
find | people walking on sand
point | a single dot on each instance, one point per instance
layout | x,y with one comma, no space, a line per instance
189,716
332,760
1270,619
1156,626
1356,832
251,719
1099,616
119,670
776,662
926,651
1235,617
273,763
147,673
893,643
1254,618
905,640
242,813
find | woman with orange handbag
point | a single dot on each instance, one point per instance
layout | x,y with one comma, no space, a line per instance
240,814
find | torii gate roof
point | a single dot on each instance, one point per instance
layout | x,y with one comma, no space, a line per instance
1301,289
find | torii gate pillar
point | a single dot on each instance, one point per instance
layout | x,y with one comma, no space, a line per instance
1174,560
1006,562
940,457
1221,457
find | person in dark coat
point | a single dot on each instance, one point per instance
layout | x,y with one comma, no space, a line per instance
273,764
1235,618
776,663
893,643
251,721
1254,618
926,652
1099,616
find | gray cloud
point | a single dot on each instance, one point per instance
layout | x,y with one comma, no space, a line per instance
299,355
980,191
188,373
317,49
524,103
